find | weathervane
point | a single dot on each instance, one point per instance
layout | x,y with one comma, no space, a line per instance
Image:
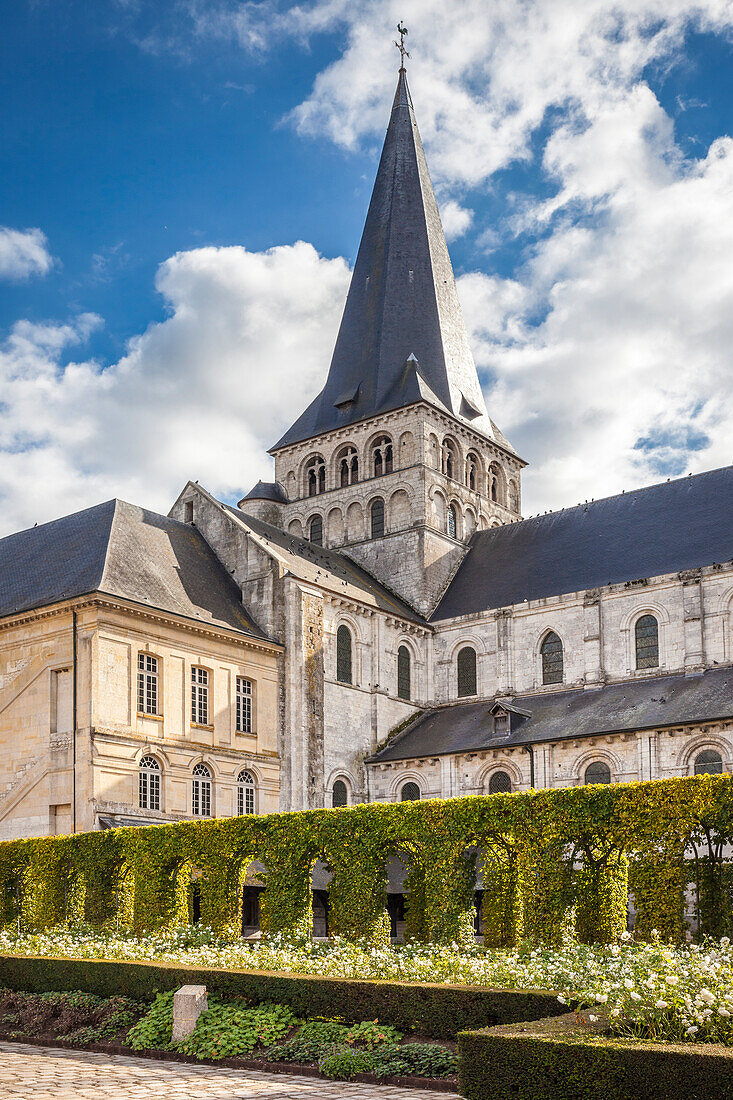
402,31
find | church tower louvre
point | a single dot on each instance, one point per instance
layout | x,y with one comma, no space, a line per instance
396,461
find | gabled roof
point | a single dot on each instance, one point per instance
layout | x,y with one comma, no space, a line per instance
121,550
402,338
665,528
654,703
327,568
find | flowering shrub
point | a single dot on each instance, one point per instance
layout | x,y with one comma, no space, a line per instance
652,989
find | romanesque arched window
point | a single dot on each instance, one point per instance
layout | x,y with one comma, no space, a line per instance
376,518
246,788
343,655
472,471
496,483
451,521
382,456
315,476
340,794
348,467
500,783
403,672
646,635
315,530
410,792
449,458
708,762
552,659
466,669
201,791
597,772
148,783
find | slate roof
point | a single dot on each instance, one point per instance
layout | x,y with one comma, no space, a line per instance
661,701
326,567
121,550
402,338
266,490
665,528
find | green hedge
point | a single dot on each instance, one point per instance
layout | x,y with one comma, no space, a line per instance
438,1011
551,857
555,1060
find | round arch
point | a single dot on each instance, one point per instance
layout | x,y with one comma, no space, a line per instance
592,756
513,771
409,776
699,743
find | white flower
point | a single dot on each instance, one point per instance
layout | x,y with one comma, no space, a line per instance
626,937
672,979
723,1012
601,998
706,996
692,1030
592,1018
615,1012
635,996
628,983
661,1004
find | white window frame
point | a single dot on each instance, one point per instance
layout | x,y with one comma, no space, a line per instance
148,684
149,783
202,792
246,793
200,684
244,705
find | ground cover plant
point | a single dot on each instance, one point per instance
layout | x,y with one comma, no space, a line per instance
79,1018
232,1027
646,989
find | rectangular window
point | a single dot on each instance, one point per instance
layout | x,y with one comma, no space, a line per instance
245,799
147,684
201,800
200,696
149,790
244,705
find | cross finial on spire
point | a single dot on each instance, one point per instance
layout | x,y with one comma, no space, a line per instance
402,31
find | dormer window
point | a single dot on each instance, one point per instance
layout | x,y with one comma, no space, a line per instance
501,723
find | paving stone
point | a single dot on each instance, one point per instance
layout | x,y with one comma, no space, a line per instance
45,1072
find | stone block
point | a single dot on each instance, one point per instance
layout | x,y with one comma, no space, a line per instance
188,1004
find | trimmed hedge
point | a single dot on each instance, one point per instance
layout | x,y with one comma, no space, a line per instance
556,1060
551,857
437,1011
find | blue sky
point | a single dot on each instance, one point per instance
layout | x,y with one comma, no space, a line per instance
159,321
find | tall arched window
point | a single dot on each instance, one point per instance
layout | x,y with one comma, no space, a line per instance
382,456
466,667
315,530
148,783
597,772
410,792
500,783
403,672
246,787
377,518
348,467
708,762
472,471
449,458
315,476
552,663
646,634
451,521
343,655
201,791
340,794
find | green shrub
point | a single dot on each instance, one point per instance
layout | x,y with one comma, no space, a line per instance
228,1030
414,1060
342,1062
155,1030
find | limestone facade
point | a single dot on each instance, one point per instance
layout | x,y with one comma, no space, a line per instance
55,781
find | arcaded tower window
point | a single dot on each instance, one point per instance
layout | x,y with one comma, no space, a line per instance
315,476
382,457
348,467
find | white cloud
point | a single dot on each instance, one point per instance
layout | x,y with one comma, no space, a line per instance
23,252
456,219
200,395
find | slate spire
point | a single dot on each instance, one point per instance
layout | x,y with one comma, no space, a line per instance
402,337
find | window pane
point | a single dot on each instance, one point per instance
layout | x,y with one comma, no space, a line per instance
552,660
245,793
467,671
343,655
403,672
500,783
316,531
340,794
647,642
410,793
598,772
708,762
200,696
244,705
377,519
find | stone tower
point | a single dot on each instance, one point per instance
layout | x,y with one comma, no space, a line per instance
397,460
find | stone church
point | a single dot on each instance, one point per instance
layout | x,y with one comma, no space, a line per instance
396,626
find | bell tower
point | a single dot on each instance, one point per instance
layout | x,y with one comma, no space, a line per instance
397,461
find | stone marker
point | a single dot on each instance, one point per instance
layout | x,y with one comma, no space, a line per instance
188,1004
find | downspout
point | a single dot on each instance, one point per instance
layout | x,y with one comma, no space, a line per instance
530,750
73,721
